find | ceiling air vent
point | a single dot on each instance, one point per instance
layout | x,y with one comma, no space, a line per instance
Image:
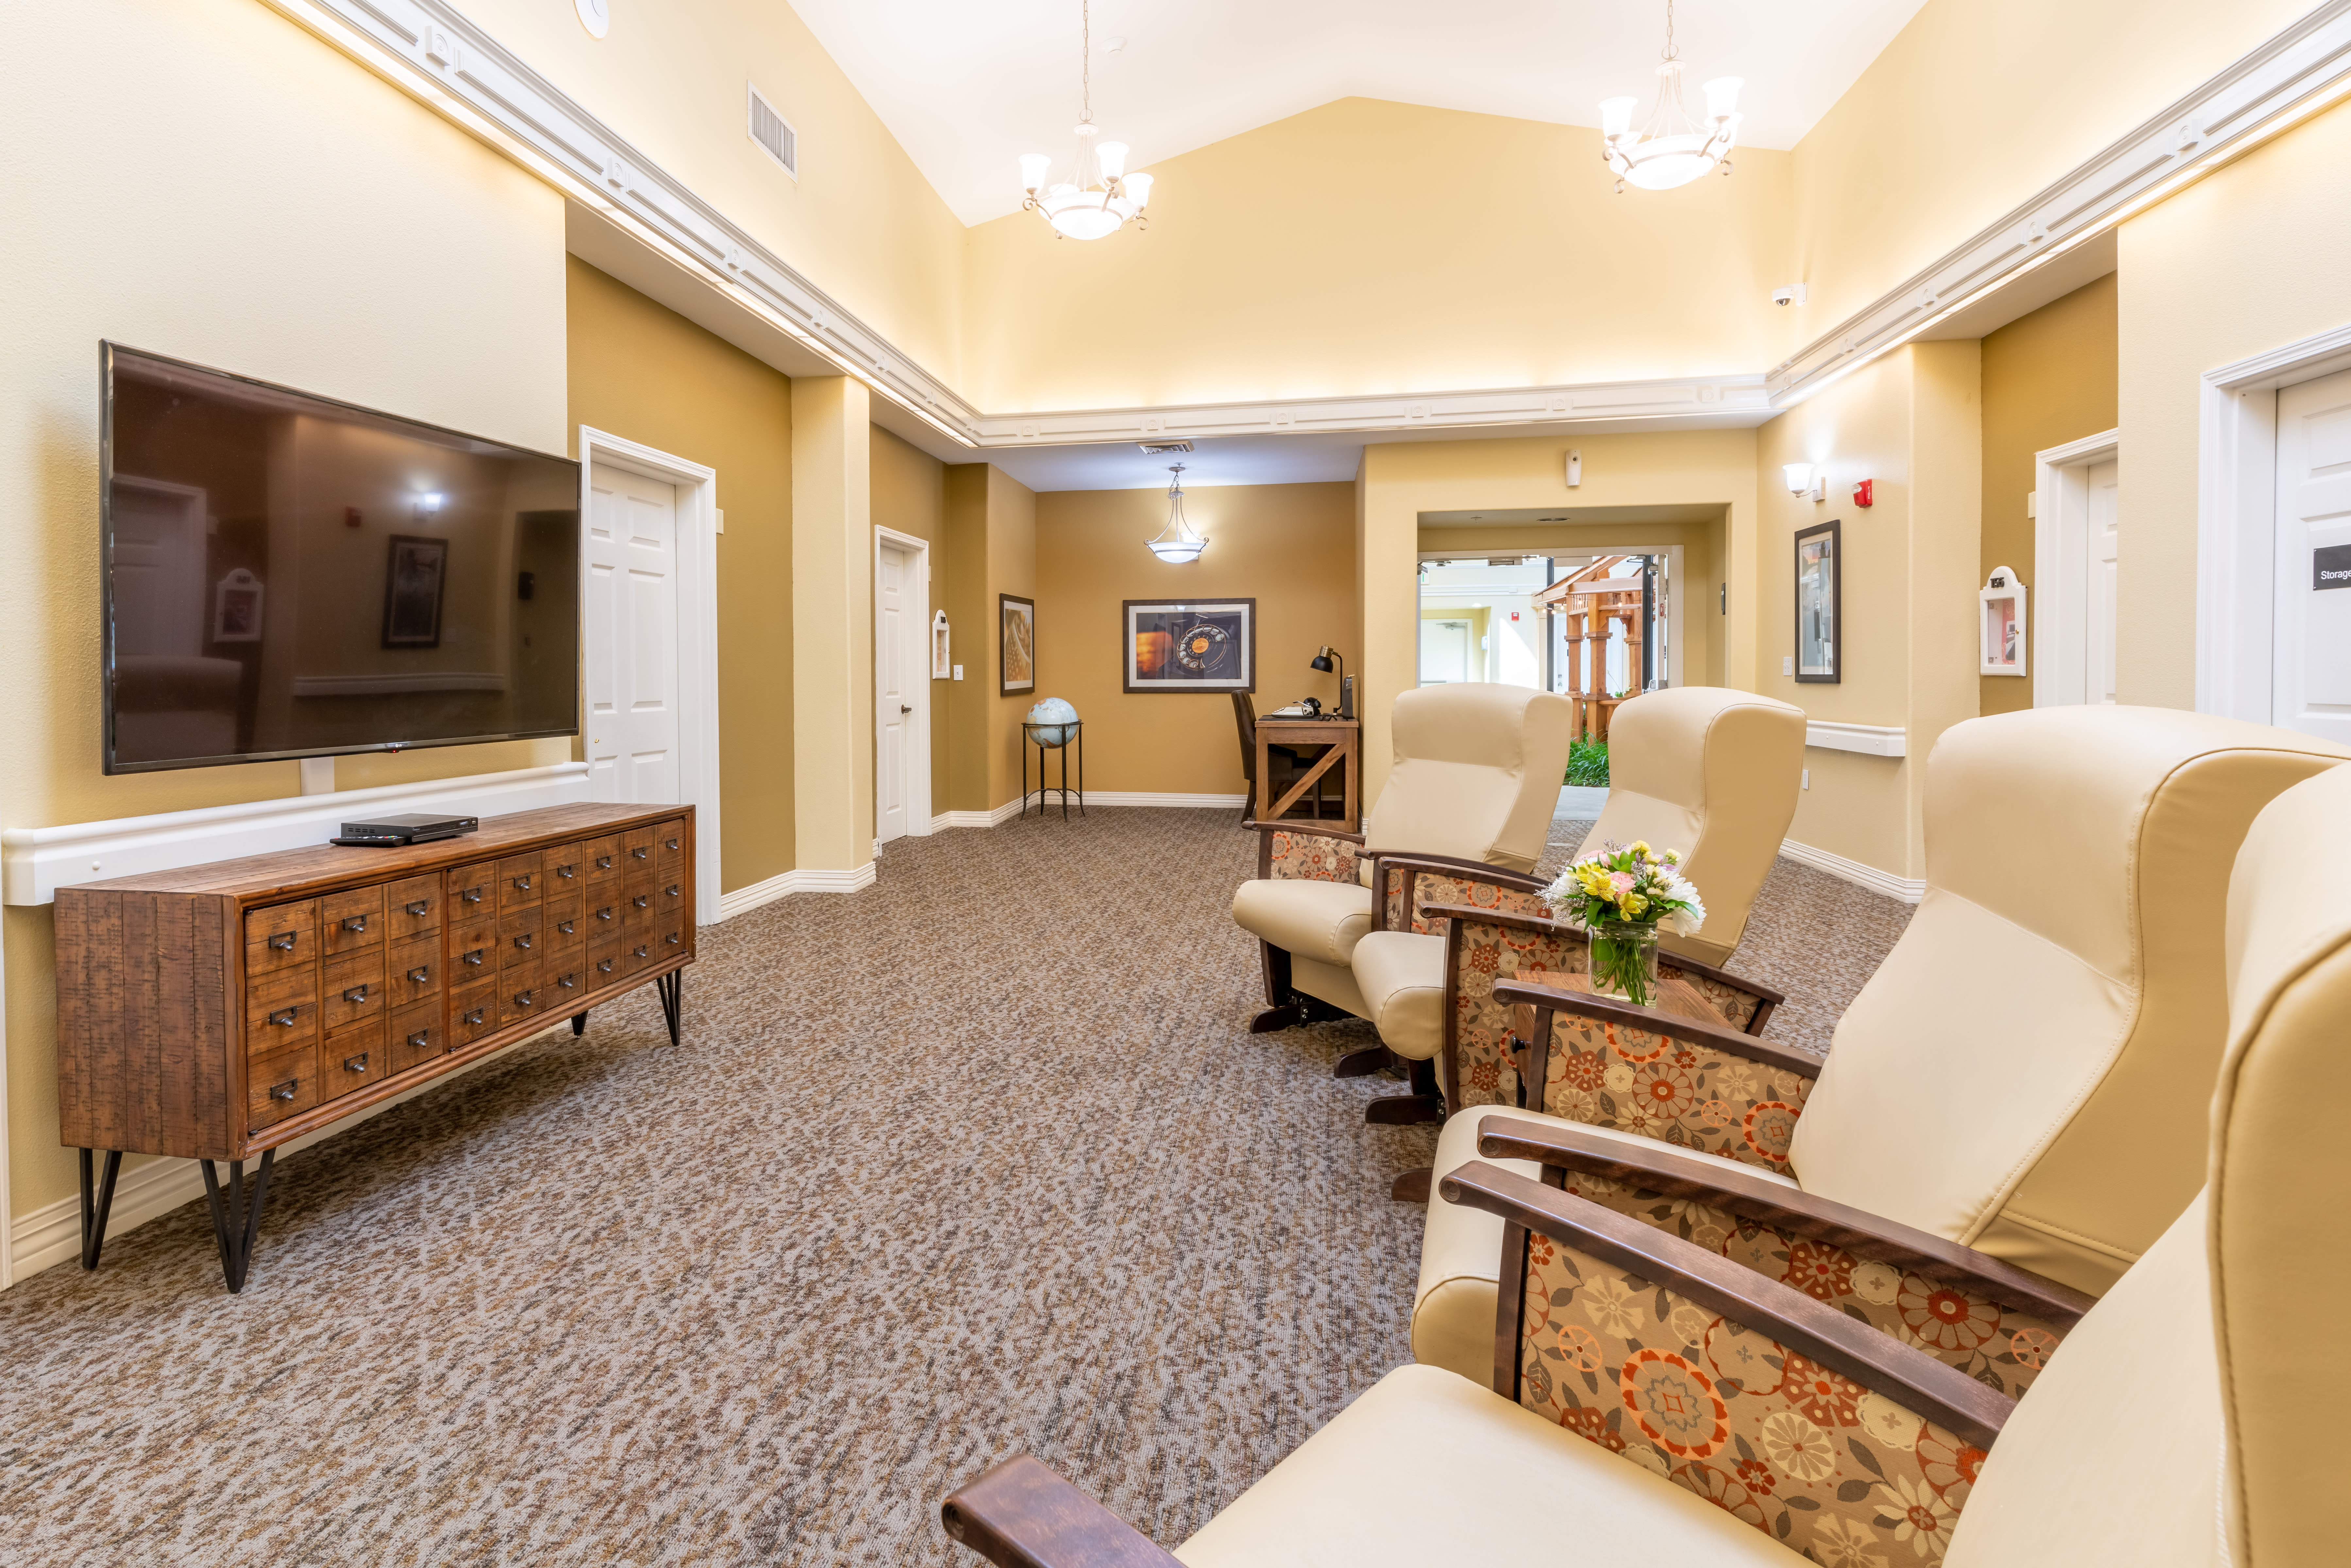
1159,448
775,134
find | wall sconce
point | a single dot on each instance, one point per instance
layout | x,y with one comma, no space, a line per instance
428,506
1807,481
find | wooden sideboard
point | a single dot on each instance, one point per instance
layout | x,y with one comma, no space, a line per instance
218,1012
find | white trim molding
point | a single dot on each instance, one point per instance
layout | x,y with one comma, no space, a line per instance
743,900
36,862
697,631
2061,579
2236,519
1909,890
1147,798
1869,739
996,816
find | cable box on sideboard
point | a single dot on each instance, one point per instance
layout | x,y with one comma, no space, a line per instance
389,833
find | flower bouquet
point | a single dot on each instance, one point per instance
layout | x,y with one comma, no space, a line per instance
1621,896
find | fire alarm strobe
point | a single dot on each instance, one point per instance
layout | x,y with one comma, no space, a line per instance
408,830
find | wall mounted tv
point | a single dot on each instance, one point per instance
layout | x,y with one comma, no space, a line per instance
289,576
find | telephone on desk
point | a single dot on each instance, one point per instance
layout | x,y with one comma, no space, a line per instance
1304,707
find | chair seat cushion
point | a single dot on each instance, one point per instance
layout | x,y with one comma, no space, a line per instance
1424,1469
1319,920
1402,977
1462,1248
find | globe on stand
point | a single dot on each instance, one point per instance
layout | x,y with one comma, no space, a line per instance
1059,717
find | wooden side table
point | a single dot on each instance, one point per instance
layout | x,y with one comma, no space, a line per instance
1340,739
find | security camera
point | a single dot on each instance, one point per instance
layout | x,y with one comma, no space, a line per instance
1793,294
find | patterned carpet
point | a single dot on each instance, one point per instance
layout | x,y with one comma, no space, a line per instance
979,1160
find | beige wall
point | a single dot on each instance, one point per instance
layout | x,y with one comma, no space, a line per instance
638,370
1399,481
833,624
910,495
991,549
862,220
2247,259
1289,547
259,210
2048,379
1911,421
1371,208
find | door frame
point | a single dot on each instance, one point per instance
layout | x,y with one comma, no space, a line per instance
2061,545
2236,518
918,754
697,634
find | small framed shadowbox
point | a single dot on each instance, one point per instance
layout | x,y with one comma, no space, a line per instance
2003,626
414,577
1192,645
1820,603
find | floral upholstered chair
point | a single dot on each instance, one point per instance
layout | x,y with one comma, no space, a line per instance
2025,1076
1652,1401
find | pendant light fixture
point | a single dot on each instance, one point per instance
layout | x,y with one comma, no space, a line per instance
1099,197
1177,544
1673,149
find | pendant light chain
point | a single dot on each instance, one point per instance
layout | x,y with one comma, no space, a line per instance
1086,62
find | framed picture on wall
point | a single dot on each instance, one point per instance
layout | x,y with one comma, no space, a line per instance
2001,627
939,655
1200,645
1017,623
1820,603
414,580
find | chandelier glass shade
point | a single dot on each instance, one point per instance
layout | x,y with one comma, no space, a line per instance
1099,197
1178,543
1674,147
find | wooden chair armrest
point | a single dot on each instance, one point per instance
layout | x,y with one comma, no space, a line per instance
1023,1515
1463,870
1613,1009
1655,1167
1753,987
1851,1349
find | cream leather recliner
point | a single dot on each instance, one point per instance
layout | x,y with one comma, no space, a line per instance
1476,779
2026,1072
1704,769
2181,1425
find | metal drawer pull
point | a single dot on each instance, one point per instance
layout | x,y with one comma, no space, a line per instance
475,957
473,895
673,889
356,1063
674,938
522,998
569,982
356,993
421,974
604,966
643,951
640,902
356,923
421,908
474,1017
285,1017
284,1091
523,941
603,862
420,1038
523,882
672,843
564,927
282,943
605,912
641,853
566,871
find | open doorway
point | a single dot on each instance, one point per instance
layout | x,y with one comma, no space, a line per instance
1479,619
1594,626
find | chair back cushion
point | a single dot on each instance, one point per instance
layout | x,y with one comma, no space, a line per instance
1478,773
1714,773
2281,1178
1246,719
2029,1070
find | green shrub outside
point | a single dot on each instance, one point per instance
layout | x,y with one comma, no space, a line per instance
1587,764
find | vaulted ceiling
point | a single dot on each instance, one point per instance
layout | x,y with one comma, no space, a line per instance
968,88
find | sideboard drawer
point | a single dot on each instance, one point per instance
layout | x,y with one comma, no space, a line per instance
567,871
472,889
520,995
411,972
281,1012
601,915
637,903
473,1013
637,849
353,990
351,921
280,937
474,950
282,1084
605,965
412,908
565,978
353,1058
565,927
521,880
669,849
520,935
417,1034
602,859
673,937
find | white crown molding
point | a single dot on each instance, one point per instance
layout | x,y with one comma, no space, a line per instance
429,50
36,862
2221,118
1869,739
1909,890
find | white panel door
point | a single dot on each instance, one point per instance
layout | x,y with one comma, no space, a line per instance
2311,657
159,593
893,689
632,650
1444,652
2098,611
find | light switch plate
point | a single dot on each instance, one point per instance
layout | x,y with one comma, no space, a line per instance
959,671
1787,663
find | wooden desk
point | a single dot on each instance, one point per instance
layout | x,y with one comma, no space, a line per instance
1340,737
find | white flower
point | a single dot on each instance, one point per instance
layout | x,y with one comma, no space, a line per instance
1617,1076
1877,1282
1889,1422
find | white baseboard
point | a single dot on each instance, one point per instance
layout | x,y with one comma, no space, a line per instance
52,1235
743,899
1908,890
1156,797
988,819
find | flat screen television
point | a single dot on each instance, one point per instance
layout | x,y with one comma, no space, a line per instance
289,575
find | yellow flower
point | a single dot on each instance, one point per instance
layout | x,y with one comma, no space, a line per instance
1640,846
1634,904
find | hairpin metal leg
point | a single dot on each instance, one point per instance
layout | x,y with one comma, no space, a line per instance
235,1227
579,1025
671,987
94,1208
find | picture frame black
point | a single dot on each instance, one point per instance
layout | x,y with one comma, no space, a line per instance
1188,645
415,581
1016,645
1820,603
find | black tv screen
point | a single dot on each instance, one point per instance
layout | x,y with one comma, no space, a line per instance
289,576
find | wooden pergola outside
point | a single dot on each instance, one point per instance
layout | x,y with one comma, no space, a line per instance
1594,604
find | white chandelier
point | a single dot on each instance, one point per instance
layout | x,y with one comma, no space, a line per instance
1100,196
1673,149
1177,544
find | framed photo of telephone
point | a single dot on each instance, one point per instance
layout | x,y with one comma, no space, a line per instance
1200,645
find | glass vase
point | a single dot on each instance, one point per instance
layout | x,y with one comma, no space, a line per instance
1624,959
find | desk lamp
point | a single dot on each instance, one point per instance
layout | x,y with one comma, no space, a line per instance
1321,661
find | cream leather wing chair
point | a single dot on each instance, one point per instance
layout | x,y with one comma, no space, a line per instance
1705,770
2025,1075
2179,1424
1476,779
